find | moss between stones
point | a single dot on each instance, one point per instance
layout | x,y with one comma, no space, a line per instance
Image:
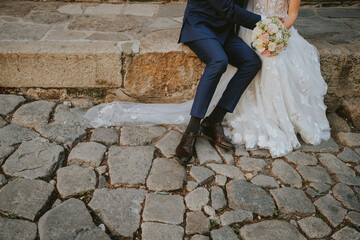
90,92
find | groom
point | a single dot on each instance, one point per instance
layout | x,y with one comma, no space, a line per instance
208,29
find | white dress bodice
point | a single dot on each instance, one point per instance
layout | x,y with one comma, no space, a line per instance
269,7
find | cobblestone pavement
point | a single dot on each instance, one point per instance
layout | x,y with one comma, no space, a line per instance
62,179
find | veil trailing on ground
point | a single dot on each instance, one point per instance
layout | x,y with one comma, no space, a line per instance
131,113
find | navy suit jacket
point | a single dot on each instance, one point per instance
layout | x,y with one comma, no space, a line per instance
214,19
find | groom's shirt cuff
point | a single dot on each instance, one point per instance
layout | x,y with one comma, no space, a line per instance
263,17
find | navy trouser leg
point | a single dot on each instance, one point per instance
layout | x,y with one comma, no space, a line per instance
212,53
241,56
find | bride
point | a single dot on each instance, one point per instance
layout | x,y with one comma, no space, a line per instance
284,99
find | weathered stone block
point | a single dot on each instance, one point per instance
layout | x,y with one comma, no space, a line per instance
119,209
271,229
166,175
25,198
60,64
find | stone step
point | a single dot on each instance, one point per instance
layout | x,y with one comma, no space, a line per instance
130,51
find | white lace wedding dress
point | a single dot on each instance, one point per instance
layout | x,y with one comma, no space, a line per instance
285,98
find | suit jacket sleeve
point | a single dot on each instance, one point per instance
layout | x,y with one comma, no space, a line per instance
234,13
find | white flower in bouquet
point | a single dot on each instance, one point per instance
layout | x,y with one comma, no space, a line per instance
272,28
270,37
272,46
258,44
257,32
266,21
279,36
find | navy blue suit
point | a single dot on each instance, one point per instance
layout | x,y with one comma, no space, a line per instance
208,29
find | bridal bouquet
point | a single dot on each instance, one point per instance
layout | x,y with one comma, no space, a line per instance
270,37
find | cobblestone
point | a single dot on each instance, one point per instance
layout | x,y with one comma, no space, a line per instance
130,164
168,143
346,196
335,165
119,209
191,185
292,201
353,217
143,135
314,174
17,229
301,158
226,154
166,175
312,192
3,180
106,136
251,164
348,180
321,187
5,151
209,211
314,227
196,223
67,134
264,181
201,174
2,122
349,156
200,237
13,134
33,114
68,220
325,146
74,179
346,233
206,152
152,231
218,200
197,198
237,216
164,208
224,233
271,229
350,139
286,173
8,103
331,209
137,192
220,180
25,198
247,196
72,116
226,170
90,154
37,158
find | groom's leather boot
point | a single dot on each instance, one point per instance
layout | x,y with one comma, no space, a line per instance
186,147
215,132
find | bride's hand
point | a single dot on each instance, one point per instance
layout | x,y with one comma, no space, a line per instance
287,24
